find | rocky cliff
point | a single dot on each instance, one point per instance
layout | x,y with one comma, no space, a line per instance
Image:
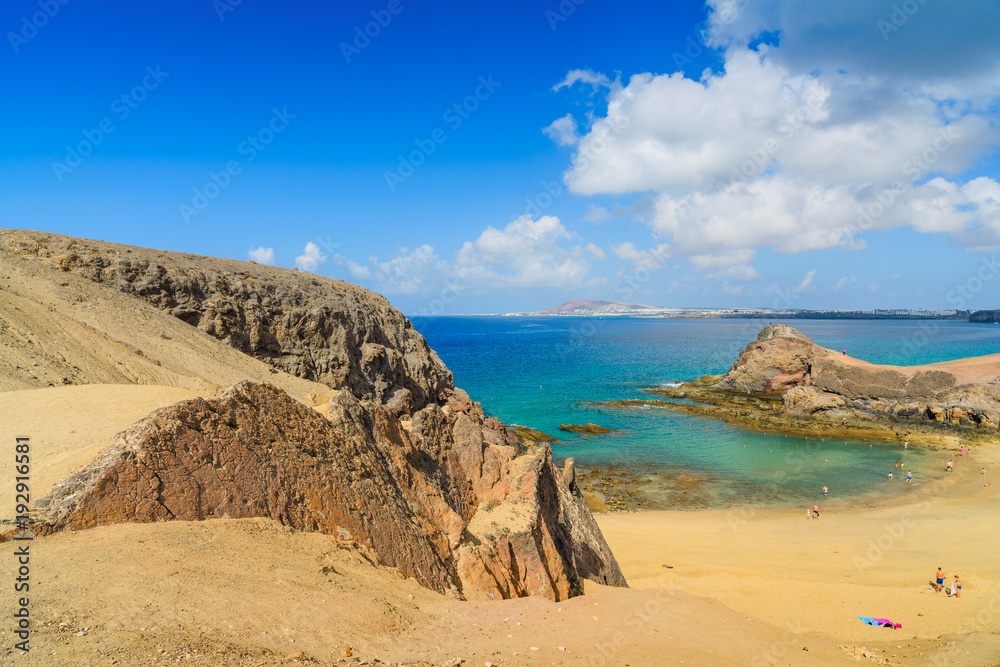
399,462
985,316
308,326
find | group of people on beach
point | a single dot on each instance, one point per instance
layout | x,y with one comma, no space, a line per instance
956,584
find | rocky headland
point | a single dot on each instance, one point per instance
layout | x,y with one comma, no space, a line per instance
784,382
339,418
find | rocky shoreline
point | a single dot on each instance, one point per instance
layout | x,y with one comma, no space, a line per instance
787,384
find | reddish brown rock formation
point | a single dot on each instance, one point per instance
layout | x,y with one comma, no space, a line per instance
426,502
813,379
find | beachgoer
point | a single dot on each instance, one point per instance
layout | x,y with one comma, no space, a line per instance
897,464
845,421
962,449
949,465
953,592
909,476
890,477
825,491
816,511
809,514
906,445
956,584
939,580
845,351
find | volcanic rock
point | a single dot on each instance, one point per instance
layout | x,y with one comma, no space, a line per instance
413,498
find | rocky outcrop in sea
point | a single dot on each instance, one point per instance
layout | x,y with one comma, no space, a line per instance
784,382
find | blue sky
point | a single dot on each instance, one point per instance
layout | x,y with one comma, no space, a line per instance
488,157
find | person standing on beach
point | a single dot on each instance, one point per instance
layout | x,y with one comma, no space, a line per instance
809,514
816,511
956,587
939,580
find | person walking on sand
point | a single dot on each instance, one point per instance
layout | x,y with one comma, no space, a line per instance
809,514
939,580
816,511
956,587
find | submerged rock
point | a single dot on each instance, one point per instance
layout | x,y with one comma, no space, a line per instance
588,428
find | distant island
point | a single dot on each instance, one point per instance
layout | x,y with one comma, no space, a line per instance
595,308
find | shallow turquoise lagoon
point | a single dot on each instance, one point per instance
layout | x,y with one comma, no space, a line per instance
541,372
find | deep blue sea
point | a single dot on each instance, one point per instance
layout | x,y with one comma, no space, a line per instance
544,371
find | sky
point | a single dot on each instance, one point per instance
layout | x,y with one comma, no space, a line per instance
488,157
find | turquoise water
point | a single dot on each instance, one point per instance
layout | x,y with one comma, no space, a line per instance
541,372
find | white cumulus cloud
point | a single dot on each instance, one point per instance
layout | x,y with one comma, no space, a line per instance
261,255
310,258
824,132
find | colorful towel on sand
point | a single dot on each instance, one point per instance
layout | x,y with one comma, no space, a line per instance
884,622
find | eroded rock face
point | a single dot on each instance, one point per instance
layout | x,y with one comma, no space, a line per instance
312,327
425,500
809,400
779,359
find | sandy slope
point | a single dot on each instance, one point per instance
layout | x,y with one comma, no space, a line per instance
979,370
257,588
69,426
59,328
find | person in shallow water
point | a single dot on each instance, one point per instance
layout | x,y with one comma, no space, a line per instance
909,476
890,477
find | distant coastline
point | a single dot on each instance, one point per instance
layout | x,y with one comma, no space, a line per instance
761,313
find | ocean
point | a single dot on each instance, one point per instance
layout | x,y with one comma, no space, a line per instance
546,371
